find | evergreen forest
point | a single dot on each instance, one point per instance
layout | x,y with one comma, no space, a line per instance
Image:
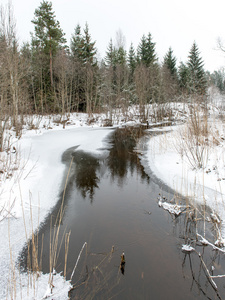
51,75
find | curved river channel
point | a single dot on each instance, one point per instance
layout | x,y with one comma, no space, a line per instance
111,203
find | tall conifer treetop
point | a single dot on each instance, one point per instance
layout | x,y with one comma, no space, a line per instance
76,44
131,58
89,50
48,33
146,51
195,64
115,56
110,58
82,47
170,62
48,37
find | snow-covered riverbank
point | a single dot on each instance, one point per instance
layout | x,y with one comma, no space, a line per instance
36,183
33,190
204,186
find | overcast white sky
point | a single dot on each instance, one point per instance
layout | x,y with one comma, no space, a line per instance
174,23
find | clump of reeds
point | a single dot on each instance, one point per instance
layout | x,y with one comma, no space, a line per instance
193,140
35,250
96,276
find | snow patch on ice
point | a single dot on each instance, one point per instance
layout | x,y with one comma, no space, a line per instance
187,248
174,209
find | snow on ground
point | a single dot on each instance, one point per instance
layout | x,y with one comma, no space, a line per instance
205,185
35,187
37,180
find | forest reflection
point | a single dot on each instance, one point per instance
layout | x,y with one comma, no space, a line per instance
121,159
85,175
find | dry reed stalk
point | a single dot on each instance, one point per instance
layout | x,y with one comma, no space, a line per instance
78,258
67,239
54,239
12,277
32,258
193,142
34,244
208,276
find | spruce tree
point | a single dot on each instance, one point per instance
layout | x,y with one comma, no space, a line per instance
218,79
141,50
116,68
197,80
110,57
77,43
89,50
146,51
132,62
121,56
84,67
78,70
170,62
184,77
150,51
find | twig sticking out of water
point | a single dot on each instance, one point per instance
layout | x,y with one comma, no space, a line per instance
209,277
206,242
122,263
92,275
78,258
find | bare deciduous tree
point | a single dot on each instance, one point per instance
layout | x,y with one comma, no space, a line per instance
13,70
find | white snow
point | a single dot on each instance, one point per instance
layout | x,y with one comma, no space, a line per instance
34,185
187,248
206,185
40,289
32,191
174,209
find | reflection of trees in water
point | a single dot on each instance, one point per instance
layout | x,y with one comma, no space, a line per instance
121,159
85,175
122,156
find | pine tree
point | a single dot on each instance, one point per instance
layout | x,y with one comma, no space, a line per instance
197,83
48,37
170,62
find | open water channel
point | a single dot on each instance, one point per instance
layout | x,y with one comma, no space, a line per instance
111,204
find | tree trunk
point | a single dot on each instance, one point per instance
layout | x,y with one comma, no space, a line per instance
51,71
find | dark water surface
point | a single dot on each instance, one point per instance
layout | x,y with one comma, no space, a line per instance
111,203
